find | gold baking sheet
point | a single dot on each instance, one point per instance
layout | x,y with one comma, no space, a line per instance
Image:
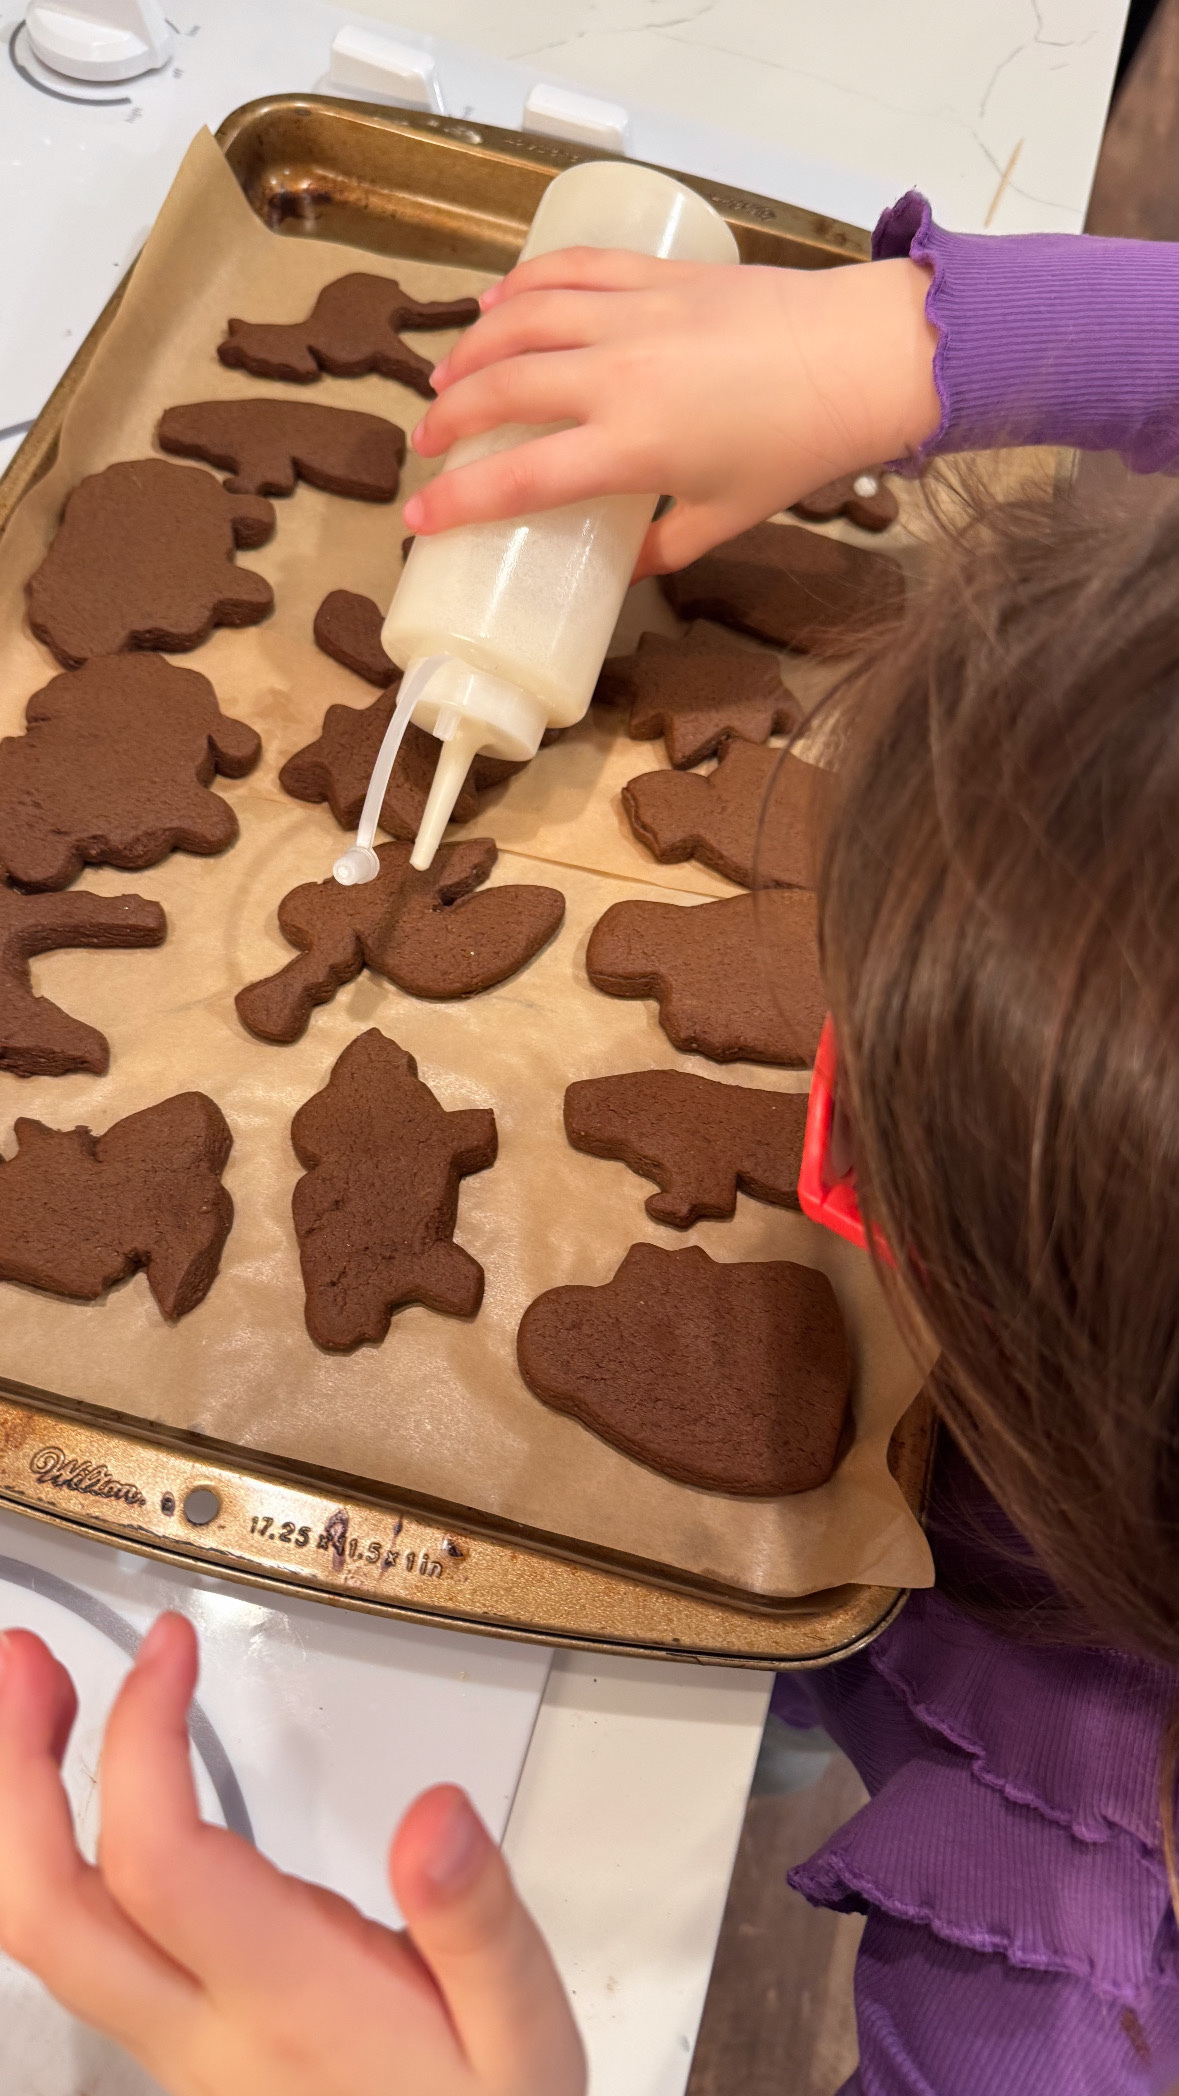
438,1414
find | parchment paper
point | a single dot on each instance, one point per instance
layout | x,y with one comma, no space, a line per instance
439,1409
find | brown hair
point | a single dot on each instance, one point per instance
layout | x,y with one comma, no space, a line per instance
999,906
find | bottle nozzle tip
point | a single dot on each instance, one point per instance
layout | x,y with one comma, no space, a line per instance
357,865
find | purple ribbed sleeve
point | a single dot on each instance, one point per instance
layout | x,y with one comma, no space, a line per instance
1047,338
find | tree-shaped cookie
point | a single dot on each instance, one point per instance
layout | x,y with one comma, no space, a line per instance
114,769
376,1208
792,587
144,558
354,326
428,933
862,498
732,1378
348,628
38,1039
736,980
267,445
79,1212
697,690
699,1140
756,819
337,767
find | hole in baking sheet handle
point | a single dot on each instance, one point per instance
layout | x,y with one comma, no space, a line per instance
201,1506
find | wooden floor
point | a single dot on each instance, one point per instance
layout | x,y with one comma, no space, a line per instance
778,2020
1136,188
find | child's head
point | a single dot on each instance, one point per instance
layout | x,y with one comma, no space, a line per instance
1000,922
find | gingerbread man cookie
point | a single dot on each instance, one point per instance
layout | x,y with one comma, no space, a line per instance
862,498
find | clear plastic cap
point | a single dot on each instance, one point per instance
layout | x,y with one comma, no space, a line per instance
469,710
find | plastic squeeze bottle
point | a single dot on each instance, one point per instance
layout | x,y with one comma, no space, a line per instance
501,629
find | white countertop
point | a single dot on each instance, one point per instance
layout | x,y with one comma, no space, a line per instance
994,107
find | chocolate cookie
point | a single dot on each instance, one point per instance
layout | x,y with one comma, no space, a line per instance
38,1039
758,814
426,932
696,691
698,1140
862,498
353,327
143,558
337,767
736,980
731,1378
348,628
113,770
792,587
79,1212
269,444
376,1209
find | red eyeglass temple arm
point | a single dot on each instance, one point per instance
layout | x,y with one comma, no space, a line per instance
831,1203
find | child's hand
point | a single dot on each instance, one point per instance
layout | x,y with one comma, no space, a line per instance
222,1976
737,390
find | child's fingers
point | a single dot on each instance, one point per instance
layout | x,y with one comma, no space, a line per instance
688,530
207,1898
584,269
570,466
56,1916
46,1702
538,389
487,1955
536,321
204,1896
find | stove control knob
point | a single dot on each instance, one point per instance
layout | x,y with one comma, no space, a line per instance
99,39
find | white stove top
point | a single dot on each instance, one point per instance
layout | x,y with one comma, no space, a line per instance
618,1786
315,1727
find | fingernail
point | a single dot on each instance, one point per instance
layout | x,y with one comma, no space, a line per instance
4,1651
150,1643
488,297
438,375
459,1846
411,515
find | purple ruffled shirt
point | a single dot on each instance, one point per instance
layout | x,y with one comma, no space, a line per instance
1019,1933
1047,338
